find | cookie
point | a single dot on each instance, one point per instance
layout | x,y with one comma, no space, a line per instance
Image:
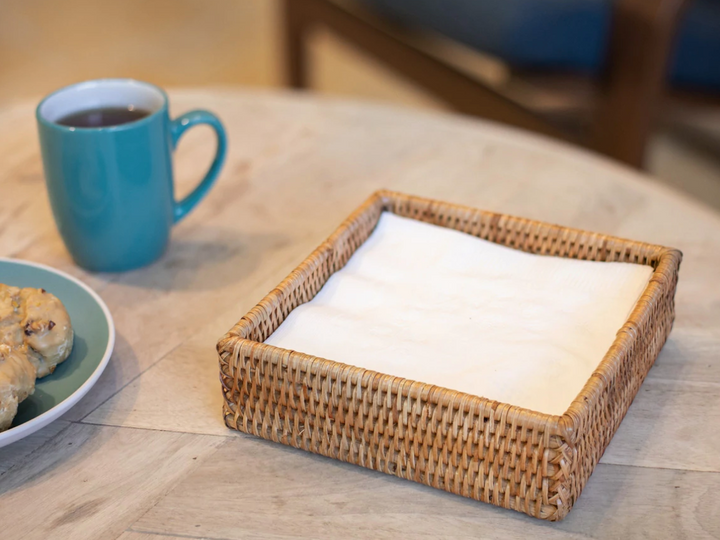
17,381
46,329
35,336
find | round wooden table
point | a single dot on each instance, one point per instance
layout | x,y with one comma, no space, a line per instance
146,454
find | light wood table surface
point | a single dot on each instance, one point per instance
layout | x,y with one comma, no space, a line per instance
146,455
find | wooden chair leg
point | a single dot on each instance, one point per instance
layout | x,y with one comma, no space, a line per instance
295,27
640,46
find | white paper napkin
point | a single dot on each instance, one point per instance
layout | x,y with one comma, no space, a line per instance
442,307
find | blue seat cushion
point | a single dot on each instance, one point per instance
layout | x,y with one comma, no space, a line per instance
560,34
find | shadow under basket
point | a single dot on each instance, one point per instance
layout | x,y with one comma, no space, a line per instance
486,450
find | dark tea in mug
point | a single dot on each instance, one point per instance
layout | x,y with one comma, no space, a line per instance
103,117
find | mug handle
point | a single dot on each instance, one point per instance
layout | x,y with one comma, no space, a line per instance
179,126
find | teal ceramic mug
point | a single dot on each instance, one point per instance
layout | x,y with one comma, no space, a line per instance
111,188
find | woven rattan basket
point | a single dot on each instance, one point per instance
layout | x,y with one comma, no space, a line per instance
486,450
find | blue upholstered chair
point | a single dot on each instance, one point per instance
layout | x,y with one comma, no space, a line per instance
568,35
635,49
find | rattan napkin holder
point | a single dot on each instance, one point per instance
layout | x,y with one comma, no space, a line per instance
486,450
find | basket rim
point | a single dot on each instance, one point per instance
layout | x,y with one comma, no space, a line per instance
566,425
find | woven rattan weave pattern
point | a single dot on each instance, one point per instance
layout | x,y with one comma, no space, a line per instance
486,450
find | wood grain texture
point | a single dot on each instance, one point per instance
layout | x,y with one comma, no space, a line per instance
13,455
322,498
190,371
93,482
667,426
133,535
297,167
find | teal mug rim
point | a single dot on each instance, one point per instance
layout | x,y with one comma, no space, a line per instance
106,129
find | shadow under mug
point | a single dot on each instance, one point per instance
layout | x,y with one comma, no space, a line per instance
111,188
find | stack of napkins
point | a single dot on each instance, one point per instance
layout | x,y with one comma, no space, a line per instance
442,307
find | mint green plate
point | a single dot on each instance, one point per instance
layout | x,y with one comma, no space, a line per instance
94,340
